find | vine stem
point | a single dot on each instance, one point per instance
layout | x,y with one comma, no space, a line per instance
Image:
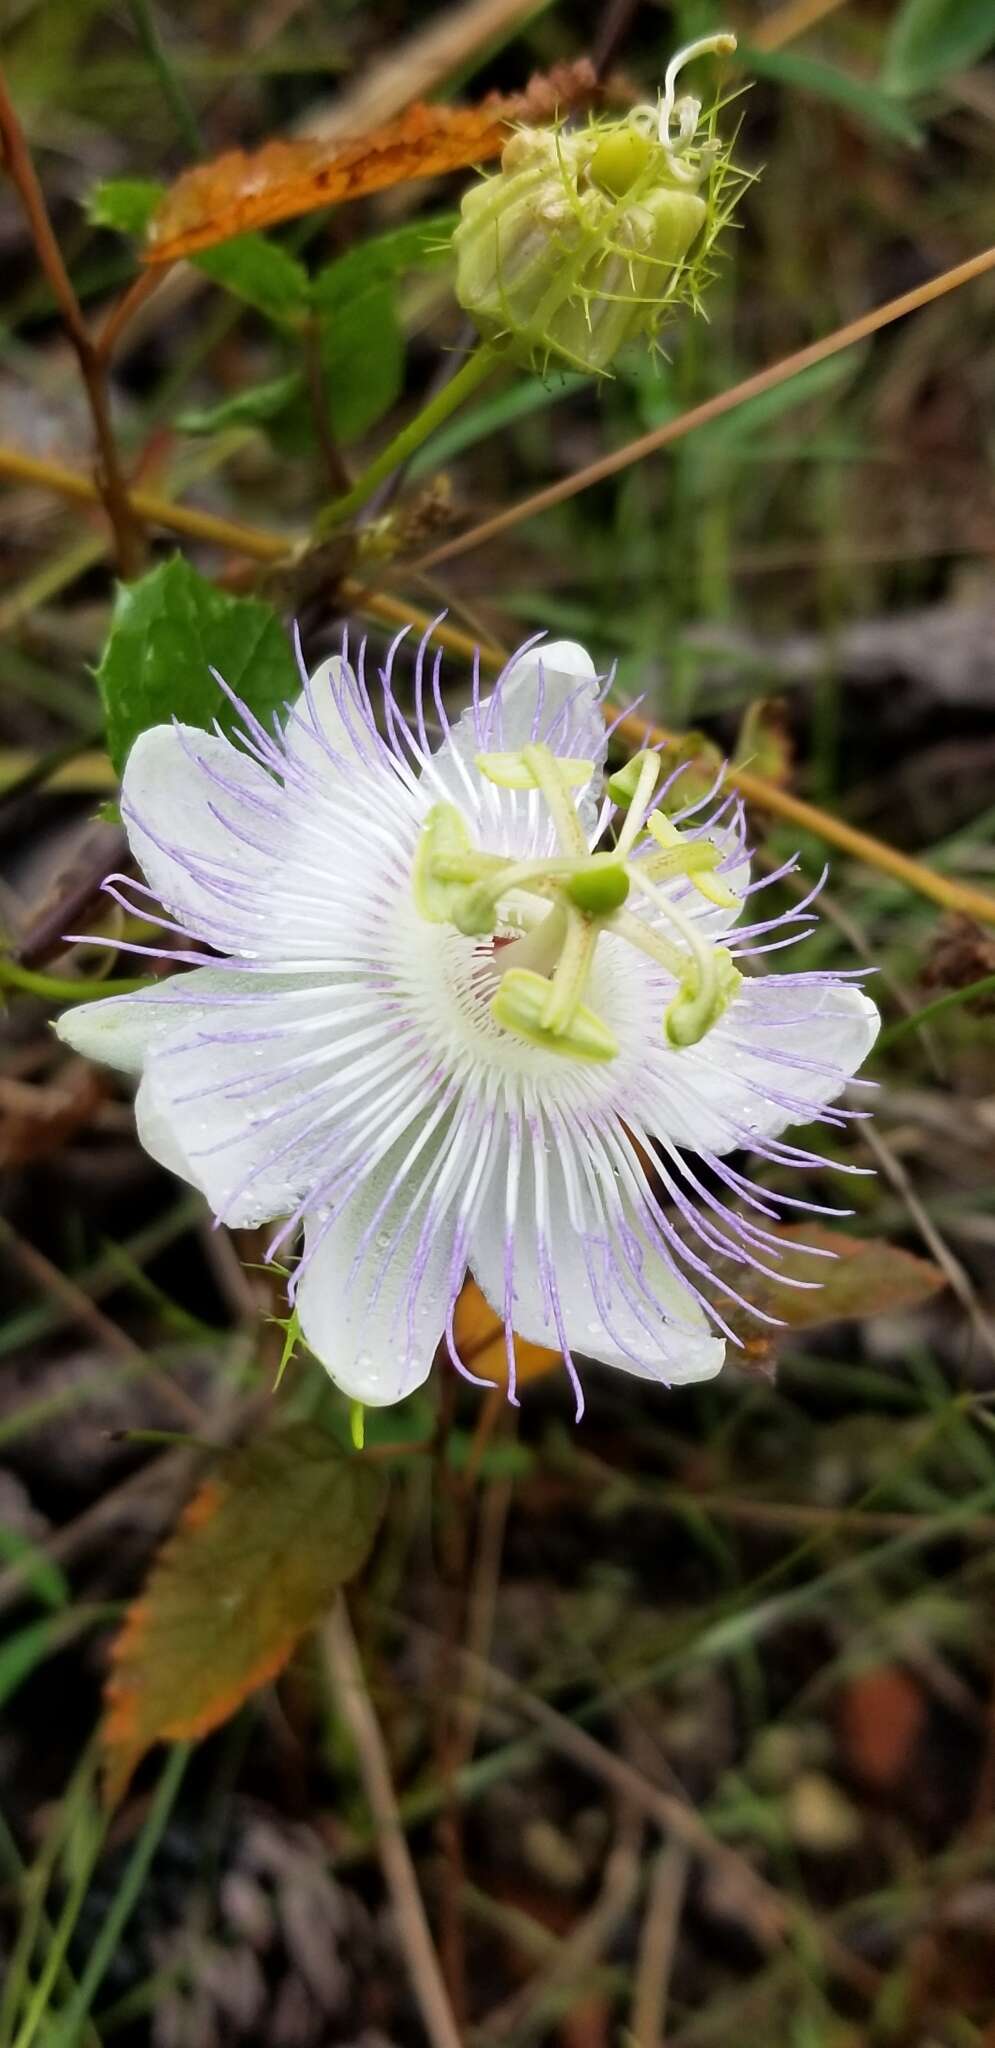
54,989
111,485
450,395
357,1711
261,545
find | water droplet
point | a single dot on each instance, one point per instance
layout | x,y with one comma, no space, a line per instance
382,1240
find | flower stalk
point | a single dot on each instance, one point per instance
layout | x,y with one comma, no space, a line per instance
471,373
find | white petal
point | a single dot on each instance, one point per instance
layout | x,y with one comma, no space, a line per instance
784,1049
251,1090
115,1031
376,1330
204,824
550,693
119,1029
657,1330
157,1135
327,731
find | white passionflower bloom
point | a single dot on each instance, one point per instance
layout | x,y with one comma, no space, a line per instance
436,1029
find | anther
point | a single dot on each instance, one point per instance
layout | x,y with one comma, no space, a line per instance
699,870
518,1007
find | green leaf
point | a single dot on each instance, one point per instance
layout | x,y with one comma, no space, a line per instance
262,274
273,1532
362,362
43,1575
931,38
167,632
252,268
258,406
124,204
420,245
870,107
360,339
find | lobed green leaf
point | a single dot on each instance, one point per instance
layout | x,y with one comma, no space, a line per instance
167,632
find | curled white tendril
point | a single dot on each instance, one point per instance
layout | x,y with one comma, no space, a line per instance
685,112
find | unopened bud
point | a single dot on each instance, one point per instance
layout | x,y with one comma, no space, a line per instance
586,240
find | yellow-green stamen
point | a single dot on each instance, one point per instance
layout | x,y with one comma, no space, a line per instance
562,904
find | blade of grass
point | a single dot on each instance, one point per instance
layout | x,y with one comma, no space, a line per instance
74,1817
174,91
66,2030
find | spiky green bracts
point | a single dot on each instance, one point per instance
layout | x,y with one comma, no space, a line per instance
586,240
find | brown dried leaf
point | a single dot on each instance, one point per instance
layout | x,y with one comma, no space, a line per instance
865,1277
258,1553
241,190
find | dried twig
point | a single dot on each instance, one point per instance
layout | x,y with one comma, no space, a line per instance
656,1945
713,408
263,546
110,479
85,1312
445,45
527,2012
356,1708
791,20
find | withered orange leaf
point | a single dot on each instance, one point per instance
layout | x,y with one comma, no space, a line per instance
243,190
257,1555
479,1334
864,1277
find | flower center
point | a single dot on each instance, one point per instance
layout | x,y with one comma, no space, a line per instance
562,904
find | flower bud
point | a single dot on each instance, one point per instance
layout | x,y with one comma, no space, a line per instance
586,240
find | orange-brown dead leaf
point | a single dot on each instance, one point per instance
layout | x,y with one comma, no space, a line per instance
479,1336
257,1555
243,190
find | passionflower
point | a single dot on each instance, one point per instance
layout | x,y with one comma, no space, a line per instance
457,1003
589,238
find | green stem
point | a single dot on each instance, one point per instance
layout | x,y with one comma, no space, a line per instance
471,373
55,990
67,2029
951,1001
